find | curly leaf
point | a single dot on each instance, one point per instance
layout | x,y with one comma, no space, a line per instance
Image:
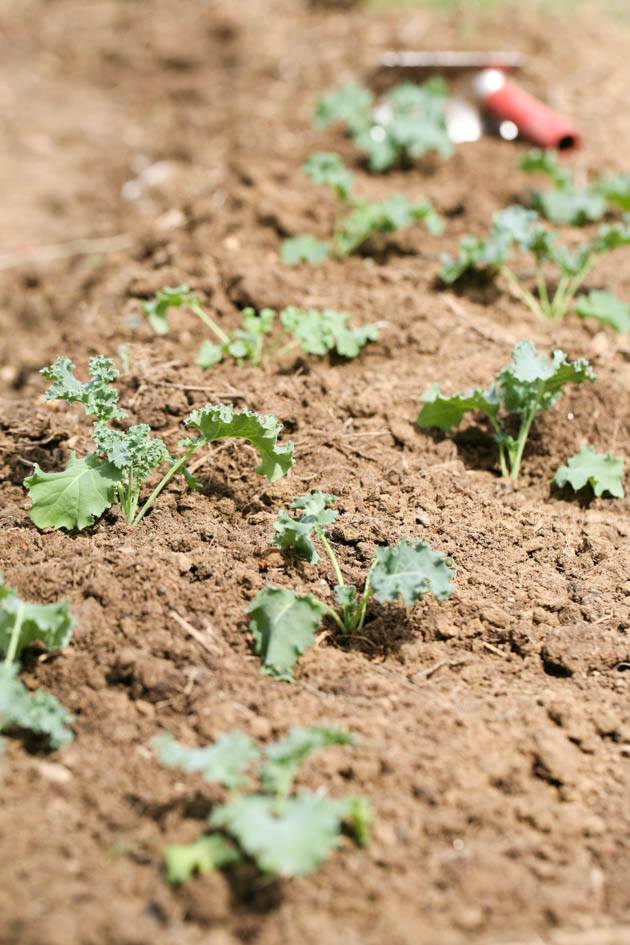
37,712
224,762
534,382
48,623
546,162
304,248
410,570
209,354
326,167
75,497
319,332
602,471
290,839
182,861
293,534
283,625
604,307
351,104
570,207
386,216
133,449
97,396
616,190
444,413
283,758
219,421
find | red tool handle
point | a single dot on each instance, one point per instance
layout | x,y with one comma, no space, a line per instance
535,121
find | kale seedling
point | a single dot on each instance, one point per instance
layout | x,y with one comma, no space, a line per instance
285,833
284,624
267,334
124,459
516,227
566,203
409,122
22,624
603,472
355,219
527,387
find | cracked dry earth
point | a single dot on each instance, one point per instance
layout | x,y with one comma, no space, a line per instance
493,730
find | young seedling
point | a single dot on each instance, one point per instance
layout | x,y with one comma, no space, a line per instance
285,833
124,459
409,122
555,265
267,335
283,623
355,219
602,472
566,203
527,387
22,624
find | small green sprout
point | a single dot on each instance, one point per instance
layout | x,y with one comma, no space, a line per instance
566,203
284,624
602,472
285,833
408,123
124,459
356,219
311,330
518,228
21,625
530,385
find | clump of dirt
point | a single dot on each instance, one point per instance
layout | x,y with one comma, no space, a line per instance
493,730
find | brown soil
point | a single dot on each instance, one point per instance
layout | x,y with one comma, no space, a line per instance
494,730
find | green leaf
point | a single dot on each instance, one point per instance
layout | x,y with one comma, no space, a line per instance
602,471
351,104
474,253
546,162
326,167
290,839
304,248
534,382
616,190
605,308
156,309
359,815
182,861
346,596
418,118
97,396
224,762
394,213
209,354
293,534
570,207
219,421
514,224
133,449
48,623
37,712
75,497
283,625
319,332
409,570
444,413
379,147
611,237
284,757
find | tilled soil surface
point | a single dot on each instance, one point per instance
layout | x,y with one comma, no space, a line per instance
493,730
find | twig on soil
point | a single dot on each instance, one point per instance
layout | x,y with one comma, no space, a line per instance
82,247
432,670
211,648
494,649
